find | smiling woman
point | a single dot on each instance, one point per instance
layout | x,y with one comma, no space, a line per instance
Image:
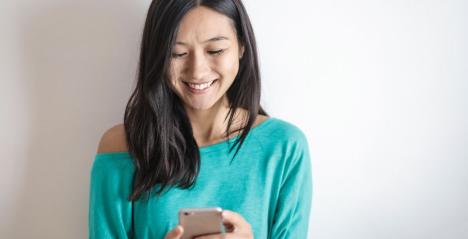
204,66
196,99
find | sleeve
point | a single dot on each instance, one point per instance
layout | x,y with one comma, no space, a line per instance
110,211
292,212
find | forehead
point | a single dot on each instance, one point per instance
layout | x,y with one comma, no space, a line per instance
202,23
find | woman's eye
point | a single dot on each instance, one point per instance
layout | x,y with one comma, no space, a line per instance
175,55
179,55
218,52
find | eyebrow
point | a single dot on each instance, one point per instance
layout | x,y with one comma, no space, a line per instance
217,38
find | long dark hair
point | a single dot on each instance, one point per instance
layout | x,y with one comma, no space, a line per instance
158,131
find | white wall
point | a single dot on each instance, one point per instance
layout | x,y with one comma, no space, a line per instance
378,86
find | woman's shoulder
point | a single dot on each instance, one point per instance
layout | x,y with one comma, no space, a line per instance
113,140
283,130
112,154
282,138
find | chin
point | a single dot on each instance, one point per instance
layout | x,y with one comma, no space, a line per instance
204,106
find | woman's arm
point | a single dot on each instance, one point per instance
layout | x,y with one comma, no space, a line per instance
294,203
110,211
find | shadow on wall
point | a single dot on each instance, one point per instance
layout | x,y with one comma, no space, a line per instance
80,62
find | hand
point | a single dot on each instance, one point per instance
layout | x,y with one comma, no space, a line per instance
238,227
175,233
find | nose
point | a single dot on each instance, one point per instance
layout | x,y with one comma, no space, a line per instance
198,66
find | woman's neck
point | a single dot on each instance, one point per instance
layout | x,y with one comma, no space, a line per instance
209,125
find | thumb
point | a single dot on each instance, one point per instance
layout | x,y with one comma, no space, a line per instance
176,233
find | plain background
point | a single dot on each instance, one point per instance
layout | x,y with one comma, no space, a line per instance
379,87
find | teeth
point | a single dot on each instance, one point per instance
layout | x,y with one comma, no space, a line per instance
200,86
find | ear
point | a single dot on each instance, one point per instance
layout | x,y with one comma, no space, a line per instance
241,51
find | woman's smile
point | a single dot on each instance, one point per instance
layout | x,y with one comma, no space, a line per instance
200,88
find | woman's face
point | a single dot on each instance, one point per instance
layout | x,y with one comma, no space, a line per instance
205,58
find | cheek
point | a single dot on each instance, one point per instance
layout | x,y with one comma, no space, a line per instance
228,67
173,76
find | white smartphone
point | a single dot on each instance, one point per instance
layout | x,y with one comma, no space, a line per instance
201,221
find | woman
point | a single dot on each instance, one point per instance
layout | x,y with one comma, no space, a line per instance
196,100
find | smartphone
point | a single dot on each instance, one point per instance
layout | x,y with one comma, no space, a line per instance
201,221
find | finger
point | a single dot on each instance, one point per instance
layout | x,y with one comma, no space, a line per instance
217,236
234,218
228,227
175,233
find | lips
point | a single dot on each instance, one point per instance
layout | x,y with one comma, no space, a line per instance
199,87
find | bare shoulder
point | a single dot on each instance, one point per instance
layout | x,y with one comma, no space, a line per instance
113,140
260,119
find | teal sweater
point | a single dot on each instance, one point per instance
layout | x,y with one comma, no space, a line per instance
269,183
